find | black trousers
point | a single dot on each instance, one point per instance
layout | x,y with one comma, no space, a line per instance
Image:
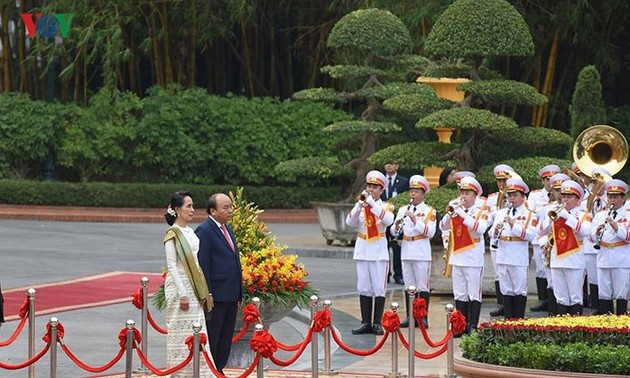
220,324
396,262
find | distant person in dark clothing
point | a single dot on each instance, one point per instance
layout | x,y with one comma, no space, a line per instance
447,176
1,307
395,184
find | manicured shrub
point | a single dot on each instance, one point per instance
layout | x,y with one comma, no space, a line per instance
99,194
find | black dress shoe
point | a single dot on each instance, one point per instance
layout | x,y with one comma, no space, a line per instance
377,329
365,328
498,312
404,323
541,306
400,281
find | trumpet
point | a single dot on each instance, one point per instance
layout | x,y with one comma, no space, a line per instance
499,230
553,213
453,205
600,231
362,197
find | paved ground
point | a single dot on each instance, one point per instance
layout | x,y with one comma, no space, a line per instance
35,251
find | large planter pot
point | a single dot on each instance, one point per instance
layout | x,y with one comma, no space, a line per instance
241,355
332,220
466,368
444,87
432,174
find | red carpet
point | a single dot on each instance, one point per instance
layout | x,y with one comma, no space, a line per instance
92,291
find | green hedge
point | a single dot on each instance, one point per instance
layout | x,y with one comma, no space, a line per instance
573,357
24,192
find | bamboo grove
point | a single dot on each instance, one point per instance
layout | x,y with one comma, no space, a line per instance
276,47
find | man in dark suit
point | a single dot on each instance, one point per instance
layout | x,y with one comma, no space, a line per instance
221,265
395,185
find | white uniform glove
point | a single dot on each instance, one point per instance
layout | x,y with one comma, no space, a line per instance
564,214
370,201
460,211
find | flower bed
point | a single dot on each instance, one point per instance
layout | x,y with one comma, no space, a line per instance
586,344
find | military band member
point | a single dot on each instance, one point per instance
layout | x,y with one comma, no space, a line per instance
568,226
415,223
498,200
556,199
513,229
536,201
466,224
593,203
371,216
610,232
480,199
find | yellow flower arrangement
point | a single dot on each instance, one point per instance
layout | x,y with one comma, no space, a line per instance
268,273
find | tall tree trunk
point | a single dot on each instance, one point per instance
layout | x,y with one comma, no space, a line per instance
6,51
247,61
168,65
551,69
155,46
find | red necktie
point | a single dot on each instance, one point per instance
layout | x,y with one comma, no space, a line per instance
227,237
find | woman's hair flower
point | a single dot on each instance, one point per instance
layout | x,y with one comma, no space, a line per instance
170,211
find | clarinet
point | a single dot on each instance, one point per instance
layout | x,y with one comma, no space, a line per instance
401,221
600,232
499,230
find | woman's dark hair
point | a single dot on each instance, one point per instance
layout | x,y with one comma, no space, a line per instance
177,200
444,175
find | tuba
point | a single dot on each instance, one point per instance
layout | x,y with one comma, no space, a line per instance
600,146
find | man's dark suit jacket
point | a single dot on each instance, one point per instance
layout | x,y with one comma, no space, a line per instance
401,184
220,266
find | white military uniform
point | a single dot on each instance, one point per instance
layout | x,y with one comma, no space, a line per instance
590,254
468,264
537,201
371,256
567,269
416,245
613,259
513,248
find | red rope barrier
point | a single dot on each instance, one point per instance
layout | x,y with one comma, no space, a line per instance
15,334
122,337
357,351
251,315
91,369
138,299
458,322
297,354
210,364
427,356
262,342
155,326
321,320
26,363
430,342
245,374
24,309
159,372
241,333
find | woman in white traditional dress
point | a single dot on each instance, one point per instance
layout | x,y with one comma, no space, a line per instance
185,288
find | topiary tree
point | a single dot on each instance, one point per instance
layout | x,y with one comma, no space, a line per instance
371,47
474,33
587,105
